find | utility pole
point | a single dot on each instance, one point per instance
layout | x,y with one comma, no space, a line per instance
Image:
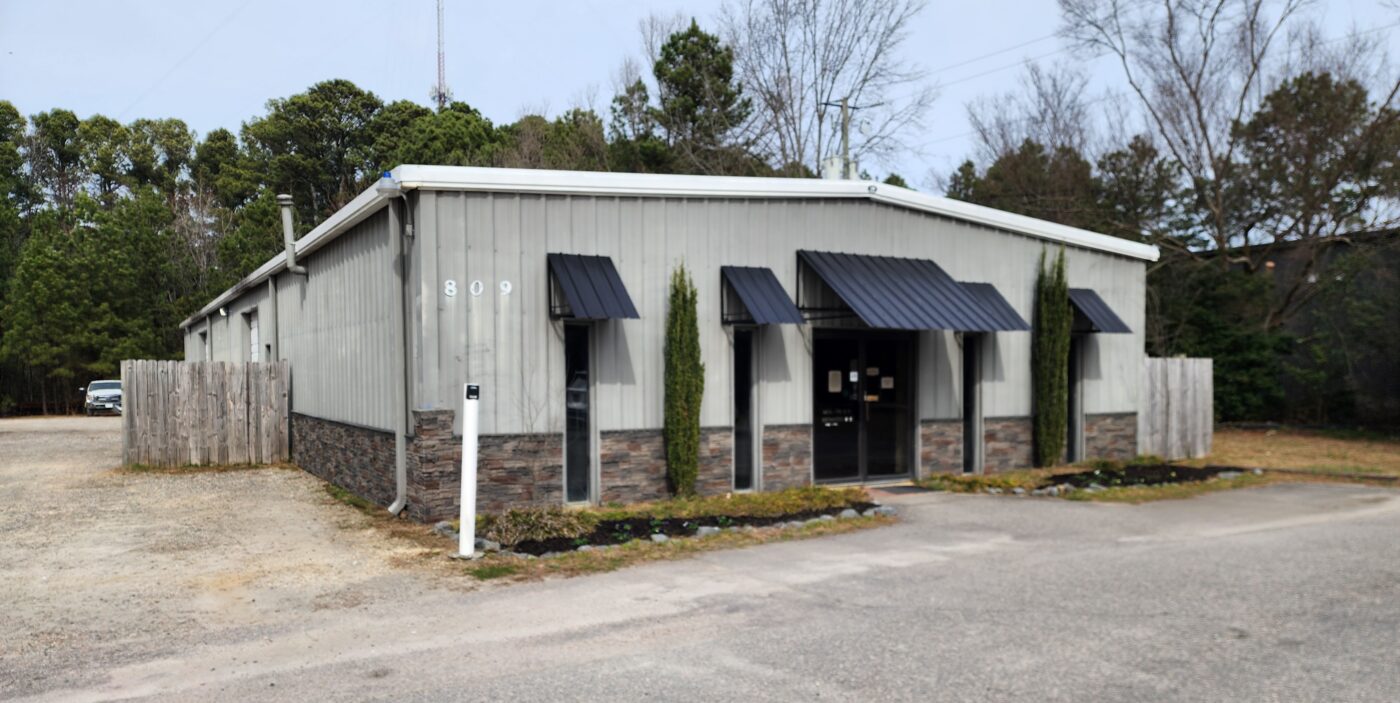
846,109
441,93
845,138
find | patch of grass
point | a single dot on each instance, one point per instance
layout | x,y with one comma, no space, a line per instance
516,526
643,551
486,572
1325,452
350,499
196,468
1168,491
978,483
738,505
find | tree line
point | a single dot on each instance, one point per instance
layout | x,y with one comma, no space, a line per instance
1260,157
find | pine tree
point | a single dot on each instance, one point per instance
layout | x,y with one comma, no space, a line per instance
685,385
1050,361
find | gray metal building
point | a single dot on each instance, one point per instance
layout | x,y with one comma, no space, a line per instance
851,332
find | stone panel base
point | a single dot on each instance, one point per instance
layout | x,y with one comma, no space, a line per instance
941,446
1008,444
787,456
716,475
358,459
1110,436
632,466
513,471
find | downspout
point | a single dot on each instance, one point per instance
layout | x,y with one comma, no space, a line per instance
389,188
288,238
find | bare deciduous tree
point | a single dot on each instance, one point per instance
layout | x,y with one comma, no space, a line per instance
1049,109
797,58
1197,68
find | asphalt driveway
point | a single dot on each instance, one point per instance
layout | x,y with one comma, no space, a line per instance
1287,593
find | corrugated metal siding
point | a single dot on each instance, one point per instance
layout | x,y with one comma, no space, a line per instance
507,342
334,327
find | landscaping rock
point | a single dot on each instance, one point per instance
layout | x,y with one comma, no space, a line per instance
825,518
1038,492
1097,487
870,512
487,545
659,538
1052,491
884,510
706,531
444,528
994,490
586,548
1258,472
849,513
1019,491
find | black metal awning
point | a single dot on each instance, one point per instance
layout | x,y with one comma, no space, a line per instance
587,288
759,295
888,292
1092,314
994,304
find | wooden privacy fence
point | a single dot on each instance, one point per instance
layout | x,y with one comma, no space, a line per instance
177,413
1178,408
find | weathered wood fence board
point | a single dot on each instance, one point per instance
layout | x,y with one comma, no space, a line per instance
179,413
1177,418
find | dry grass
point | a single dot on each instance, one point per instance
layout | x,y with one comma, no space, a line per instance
512,569
1304,450
198,468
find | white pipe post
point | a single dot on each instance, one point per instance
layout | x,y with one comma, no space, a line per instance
467,528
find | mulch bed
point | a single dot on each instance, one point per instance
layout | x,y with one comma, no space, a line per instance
1137,476
622,531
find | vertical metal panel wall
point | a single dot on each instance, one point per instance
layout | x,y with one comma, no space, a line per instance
506,341
333,325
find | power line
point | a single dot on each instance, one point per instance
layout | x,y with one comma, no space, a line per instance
998,52
176,66
1100,99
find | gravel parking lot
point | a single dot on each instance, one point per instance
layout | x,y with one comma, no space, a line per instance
104,567
252,585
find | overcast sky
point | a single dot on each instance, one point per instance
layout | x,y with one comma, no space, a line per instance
215,64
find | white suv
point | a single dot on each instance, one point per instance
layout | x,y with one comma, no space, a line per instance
103,397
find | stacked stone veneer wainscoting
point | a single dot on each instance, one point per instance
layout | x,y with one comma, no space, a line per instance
941,446
1007,444
632,466
513,471
716,475
358,459
1110,436
787,456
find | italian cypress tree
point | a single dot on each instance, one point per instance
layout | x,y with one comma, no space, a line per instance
685,385
1050,361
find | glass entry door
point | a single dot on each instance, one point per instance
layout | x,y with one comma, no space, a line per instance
863,406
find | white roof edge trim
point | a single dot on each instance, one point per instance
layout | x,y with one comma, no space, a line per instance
470,178
602,183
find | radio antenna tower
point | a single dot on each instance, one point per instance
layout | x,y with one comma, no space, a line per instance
441,94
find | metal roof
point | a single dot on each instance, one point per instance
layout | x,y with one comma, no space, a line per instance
762,295
591,288
887,292
1096,312
508,180
995,304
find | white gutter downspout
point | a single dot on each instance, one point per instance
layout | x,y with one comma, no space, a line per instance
391,190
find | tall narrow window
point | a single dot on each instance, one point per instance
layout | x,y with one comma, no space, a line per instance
743,410
254,347
972,403
578,434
